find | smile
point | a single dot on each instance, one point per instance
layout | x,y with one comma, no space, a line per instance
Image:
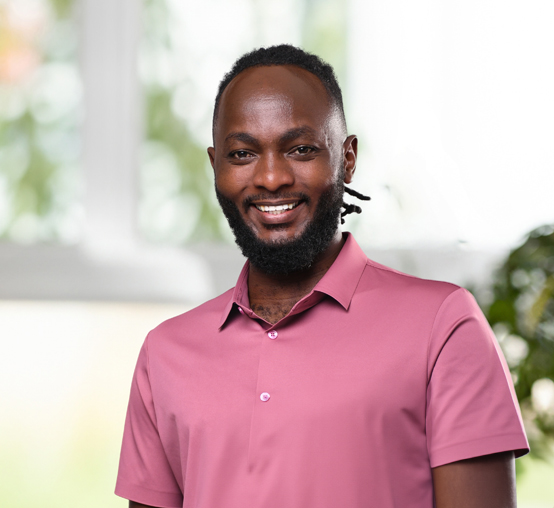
277,209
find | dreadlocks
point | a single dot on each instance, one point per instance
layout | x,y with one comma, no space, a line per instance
349,208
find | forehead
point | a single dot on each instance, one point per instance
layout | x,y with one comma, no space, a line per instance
296,93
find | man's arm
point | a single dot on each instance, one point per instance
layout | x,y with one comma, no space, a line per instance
132,504
482,482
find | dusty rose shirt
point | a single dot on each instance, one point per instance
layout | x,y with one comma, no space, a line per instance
372,379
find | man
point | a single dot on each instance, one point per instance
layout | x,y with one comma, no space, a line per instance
323,379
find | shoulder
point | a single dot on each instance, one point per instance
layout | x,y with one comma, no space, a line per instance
404,288
404,307
200,319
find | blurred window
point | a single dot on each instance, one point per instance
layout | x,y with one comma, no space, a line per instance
40,109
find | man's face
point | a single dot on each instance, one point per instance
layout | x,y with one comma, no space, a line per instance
279,163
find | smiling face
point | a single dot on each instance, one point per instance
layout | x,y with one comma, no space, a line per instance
280,159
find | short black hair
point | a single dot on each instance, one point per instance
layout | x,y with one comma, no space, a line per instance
285,54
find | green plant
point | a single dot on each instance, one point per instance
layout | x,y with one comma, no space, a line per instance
522,316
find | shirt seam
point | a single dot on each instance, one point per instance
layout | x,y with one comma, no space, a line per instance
147,354
377,266
155,413
130,483
477,440
124,488
429,338
433,327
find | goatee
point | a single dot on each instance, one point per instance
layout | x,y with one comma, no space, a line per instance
288,256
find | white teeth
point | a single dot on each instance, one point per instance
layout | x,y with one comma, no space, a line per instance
276,209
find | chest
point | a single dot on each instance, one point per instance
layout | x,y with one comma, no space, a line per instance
326,369
255,407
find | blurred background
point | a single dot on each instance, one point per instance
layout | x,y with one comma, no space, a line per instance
109,223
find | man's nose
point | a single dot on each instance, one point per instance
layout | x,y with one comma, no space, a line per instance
273,172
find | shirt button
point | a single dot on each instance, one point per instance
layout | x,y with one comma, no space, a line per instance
265,396
240,310
272,334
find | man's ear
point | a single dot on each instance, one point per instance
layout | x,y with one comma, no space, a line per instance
350,154
211,155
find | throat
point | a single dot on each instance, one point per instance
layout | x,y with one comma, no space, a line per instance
272,312
272,297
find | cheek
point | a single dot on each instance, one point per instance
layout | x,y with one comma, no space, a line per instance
320,177
231,181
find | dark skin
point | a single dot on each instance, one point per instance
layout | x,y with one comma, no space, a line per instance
481,482
278,135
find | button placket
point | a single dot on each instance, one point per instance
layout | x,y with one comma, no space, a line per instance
264,410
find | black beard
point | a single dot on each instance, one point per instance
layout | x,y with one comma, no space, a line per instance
283,257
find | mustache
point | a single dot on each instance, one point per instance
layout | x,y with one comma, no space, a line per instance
297,196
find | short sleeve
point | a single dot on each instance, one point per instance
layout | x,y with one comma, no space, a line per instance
145,475
472,409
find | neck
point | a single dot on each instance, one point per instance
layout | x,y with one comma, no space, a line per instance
273,296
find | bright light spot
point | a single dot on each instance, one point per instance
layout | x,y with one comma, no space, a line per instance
12,103
542,396
520,278
515,349
56,93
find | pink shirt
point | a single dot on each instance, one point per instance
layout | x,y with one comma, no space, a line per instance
371,380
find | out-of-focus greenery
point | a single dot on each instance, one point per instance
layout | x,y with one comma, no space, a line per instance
62,8
325,33
40,95
522,316
178,202
40,101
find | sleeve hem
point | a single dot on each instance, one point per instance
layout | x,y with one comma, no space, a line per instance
142,495
476,448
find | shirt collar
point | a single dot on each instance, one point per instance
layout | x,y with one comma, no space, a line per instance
339,282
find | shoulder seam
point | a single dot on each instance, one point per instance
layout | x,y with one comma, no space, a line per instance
429,340
458,288
398,272
147,354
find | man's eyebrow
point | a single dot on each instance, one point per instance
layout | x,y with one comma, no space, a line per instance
288,136
292,134
243,137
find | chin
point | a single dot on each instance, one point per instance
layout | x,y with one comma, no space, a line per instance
285,254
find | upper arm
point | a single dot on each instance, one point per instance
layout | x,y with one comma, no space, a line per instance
144,469
481,482
472,408
132,504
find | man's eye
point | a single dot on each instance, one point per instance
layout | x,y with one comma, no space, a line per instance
239,154
303,150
